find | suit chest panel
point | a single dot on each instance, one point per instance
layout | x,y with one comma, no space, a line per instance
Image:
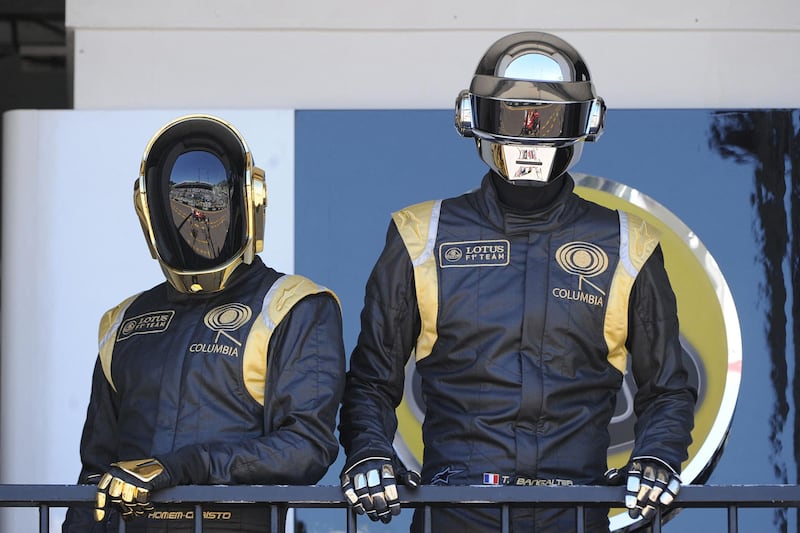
545,291
180,366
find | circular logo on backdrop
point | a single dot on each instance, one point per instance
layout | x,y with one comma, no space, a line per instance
709,333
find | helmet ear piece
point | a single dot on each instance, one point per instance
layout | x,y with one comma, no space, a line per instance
597,120
463,116
139,201
259,203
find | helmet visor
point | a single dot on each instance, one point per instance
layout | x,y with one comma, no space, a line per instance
195,182
559,123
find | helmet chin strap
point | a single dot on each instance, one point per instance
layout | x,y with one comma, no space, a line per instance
528,164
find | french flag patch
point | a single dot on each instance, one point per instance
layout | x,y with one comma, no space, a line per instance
491,479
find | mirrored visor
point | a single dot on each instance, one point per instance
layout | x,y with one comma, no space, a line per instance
195,197
560,122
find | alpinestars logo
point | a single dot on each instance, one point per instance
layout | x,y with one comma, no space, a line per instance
443,477
223,320
583,260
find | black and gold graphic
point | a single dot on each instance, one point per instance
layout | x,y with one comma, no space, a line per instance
225,318
584,260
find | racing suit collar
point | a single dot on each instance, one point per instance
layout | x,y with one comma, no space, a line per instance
560,211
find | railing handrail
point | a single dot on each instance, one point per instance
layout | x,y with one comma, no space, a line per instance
745,495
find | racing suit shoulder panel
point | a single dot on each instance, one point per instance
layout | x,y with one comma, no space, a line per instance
109,324
278,302
287,291
418,227
637,241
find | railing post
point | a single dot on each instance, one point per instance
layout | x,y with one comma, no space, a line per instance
733,519
44,518
351,520
274,516
657,521
198,518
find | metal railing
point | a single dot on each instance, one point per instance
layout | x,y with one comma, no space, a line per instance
280,498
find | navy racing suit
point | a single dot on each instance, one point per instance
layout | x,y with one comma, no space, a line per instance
521,325
241,386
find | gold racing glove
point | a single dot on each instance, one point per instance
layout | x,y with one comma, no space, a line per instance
128,485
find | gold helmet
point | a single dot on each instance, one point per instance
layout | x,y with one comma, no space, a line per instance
201,202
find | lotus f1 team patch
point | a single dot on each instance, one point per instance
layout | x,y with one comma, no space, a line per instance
154,322
474,253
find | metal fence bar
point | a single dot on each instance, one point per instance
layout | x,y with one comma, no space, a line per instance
657,521
198,518
712,496
733,519
351,521
274,512
44,518
280,498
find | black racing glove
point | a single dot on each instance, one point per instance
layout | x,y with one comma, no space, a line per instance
370,487
128,484
649,482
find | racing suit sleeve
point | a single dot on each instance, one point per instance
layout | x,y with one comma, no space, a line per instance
665,400
390,325
304,386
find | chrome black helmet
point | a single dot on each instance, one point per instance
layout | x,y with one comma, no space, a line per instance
530,106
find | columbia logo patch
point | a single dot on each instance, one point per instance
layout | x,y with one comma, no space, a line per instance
474,253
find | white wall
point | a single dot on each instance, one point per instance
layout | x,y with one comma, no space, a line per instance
362,54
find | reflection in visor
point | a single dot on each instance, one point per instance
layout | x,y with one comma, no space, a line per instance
199,194
195,197
531,120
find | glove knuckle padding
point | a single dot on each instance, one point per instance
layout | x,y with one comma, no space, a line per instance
651,483
370,486
373,479
673,486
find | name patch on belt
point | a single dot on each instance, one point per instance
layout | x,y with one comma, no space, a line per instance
474,253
